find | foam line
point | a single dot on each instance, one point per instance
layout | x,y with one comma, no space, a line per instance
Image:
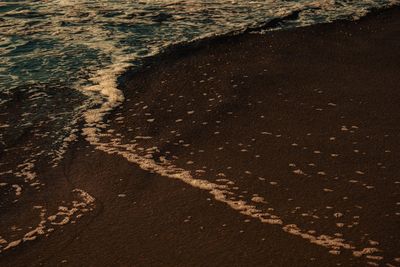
223,193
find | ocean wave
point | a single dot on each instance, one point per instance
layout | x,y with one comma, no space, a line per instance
60,64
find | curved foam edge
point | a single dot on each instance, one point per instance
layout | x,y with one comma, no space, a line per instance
83,203
221,193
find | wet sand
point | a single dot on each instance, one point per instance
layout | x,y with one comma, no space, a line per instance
304,122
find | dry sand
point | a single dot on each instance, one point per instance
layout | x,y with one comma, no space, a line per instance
304,122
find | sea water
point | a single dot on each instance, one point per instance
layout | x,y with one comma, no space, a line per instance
61,58
59,67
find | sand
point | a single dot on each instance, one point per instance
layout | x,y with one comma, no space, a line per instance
302,124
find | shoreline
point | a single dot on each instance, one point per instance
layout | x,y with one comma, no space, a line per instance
152,220
177,50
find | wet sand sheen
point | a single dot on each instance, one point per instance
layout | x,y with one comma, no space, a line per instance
302,124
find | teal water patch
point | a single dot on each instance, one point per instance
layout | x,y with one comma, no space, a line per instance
86,45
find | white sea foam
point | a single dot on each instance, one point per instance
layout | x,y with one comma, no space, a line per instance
82,204
118,40
225,194
110,37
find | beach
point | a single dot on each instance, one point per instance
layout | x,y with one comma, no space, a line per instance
274,149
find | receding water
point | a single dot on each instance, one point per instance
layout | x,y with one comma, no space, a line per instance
73,48
59,65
